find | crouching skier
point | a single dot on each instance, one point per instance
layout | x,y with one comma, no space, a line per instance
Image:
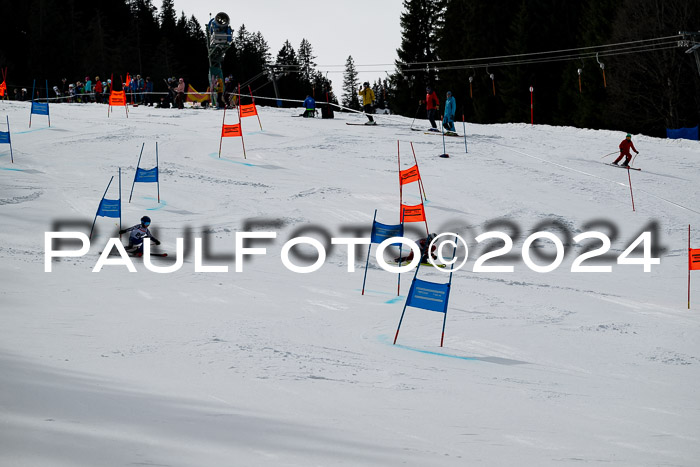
138,233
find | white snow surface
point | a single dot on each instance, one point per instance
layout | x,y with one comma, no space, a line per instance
269,367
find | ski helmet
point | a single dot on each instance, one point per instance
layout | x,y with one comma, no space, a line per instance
145,220
628,136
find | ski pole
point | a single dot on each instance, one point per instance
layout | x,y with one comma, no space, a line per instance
635,156
614,152
415,116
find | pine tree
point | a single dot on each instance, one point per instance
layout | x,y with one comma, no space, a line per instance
167,16
306,60
166,59
418,22
350,85
262,49
653,91
587,108
380,93
323,85
535,28
288,82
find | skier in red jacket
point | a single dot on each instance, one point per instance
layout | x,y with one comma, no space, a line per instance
432,105
625,146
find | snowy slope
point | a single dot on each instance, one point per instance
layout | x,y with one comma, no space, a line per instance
269,367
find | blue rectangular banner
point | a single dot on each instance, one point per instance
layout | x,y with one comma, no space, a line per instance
381,232
109,208
4,137
146,175
429,296
40,108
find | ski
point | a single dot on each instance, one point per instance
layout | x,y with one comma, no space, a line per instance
446,134
622,167
422,264
360,124
133,255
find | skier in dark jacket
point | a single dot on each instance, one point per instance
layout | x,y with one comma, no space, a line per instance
423,244
138,233
625,146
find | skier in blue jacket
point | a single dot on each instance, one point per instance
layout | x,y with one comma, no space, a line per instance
448,121
138,233
310,106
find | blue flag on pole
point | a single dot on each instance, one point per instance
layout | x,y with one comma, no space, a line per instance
146,175
110,208
428,296
381,232
4,137
40,108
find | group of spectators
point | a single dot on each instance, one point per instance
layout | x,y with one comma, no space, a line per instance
139,91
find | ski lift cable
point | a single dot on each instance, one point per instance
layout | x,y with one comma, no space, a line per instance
506,56
538,60
545,60
640,48
546,52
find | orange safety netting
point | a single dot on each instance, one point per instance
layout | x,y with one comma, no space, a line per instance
409,175
231,130
117,98
412,213
694,259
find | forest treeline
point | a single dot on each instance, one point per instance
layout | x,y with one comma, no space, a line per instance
55,39
485,53
644,87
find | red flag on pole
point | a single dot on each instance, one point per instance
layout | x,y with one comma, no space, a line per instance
117,98
231,130
409,175
694,259
412,213
248,110
693,262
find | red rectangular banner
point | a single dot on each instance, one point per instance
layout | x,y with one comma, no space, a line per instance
248,110
409,175
694,259
117,98
231,130
412,213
